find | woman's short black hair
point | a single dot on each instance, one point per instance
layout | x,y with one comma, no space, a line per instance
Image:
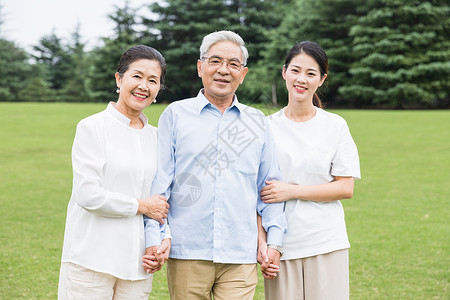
142,52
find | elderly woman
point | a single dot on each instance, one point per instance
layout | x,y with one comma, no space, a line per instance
114,163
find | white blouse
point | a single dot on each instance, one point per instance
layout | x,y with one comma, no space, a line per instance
113,166
312,153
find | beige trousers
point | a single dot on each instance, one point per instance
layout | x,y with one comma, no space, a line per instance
80,283
321,277
199,279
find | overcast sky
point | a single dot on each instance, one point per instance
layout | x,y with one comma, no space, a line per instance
27,21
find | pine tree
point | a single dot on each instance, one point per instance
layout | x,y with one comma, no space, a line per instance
402,56
36,89
258,21
326,22
104,59
75,89
181,25
14,70
177,34
52,53
262,80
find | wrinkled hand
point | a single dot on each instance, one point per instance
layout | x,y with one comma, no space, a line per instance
156,256
150,263
155,207
277,191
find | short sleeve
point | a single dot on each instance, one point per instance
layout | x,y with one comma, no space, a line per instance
345,162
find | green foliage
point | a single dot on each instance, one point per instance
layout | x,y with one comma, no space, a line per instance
14,70
76,88
177,34
181,25
36,89
52,54
104,60
401,52
382,53
326,22
262,18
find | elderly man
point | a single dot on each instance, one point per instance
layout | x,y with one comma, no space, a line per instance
214,156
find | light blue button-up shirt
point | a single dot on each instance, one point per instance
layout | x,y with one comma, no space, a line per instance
211,167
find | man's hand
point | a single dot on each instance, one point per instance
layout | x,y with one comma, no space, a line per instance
269,259
262,258
162,254
272,267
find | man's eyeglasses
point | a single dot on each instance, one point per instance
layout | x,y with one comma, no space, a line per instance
233,64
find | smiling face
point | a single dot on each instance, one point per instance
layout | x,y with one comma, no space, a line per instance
302,77
219,82
139,86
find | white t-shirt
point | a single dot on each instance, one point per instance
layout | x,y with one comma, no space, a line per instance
113,166
312,153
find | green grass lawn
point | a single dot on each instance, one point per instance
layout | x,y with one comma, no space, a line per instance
397,220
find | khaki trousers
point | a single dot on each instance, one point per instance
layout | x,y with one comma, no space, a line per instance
321,277
199,279
79,283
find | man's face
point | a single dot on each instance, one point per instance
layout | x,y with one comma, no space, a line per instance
221,81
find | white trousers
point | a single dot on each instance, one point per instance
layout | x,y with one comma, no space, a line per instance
80,283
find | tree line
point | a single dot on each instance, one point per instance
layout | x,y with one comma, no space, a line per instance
382,53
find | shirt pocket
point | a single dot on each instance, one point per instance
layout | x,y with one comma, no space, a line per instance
319,160
248,161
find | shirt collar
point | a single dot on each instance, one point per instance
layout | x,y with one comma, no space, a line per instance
202,102
120,117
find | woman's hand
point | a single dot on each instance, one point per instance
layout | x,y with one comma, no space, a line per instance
156,256
338,189
149,261
277,191
155,207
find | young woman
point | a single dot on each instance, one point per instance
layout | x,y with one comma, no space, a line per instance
318,161
114,163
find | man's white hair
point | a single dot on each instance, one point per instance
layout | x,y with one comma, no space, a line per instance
220,36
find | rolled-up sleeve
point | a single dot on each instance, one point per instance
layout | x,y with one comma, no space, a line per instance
273,216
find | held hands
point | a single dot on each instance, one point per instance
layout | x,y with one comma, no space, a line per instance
269,259
155,207
277,191
156,256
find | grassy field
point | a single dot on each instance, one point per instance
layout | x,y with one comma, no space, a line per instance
398,220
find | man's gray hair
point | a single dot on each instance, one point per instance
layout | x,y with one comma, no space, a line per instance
221,36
